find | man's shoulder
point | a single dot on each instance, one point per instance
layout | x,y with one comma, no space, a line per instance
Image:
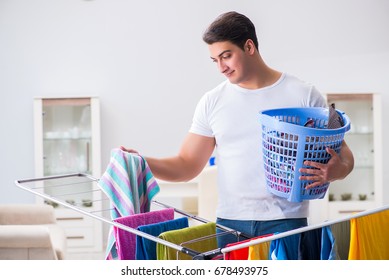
218,91
220,87
290,78
295,83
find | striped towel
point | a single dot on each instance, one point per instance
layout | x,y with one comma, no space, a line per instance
130,185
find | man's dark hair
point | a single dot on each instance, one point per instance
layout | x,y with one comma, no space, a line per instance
233,27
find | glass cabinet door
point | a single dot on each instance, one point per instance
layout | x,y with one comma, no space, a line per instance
66,143
360,184
362,189
66,136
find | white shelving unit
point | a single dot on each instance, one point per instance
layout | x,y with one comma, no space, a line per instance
364,184
67,140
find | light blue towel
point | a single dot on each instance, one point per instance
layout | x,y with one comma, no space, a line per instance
328,251
286,248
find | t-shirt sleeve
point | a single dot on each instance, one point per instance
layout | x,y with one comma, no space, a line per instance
200,122
316,98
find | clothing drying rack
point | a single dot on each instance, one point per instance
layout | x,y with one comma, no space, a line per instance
25,184
36,186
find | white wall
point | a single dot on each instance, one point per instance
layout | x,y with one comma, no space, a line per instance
147,63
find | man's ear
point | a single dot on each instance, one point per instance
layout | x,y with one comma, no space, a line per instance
249,46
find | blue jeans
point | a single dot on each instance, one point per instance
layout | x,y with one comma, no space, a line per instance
254,228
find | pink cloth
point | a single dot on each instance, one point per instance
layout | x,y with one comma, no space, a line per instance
126,241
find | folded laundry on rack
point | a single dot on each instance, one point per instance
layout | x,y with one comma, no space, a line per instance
200,238
147,249
126,241
130,186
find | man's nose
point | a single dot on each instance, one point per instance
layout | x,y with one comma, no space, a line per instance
222,66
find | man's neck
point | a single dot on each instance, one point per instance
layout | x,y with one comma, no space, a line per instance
261,74
265,77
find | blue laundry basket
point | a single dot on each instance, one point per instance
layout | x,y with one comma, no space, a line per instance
287,143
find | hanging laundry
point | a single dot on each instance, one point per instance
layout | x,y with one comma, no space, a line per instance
317,244
126,241
130,186
369,237
260,251
147,249
285,248
310,245
341,233
254,252
200,238
327,251
239,254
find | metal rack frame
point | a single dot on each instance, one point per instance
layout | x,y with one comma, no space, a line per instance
194,254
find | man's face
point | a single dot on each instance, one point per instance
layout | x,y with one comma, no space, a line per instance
230,59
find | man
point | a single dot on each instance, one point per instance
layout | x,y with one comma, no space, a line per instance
227,118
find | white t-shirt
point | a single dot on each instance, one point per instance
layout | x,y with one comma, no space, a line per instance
231,115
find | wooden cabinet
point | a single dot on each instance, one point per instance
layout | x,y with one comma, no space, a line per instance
67,140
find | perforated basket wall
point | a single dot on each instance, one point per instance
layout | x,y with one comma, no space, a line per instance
287,143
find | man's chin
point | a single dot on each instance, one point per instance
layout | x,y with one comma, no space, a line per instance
232,80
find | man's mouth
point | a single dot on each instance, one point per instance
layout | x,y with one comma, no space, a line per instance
228,74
